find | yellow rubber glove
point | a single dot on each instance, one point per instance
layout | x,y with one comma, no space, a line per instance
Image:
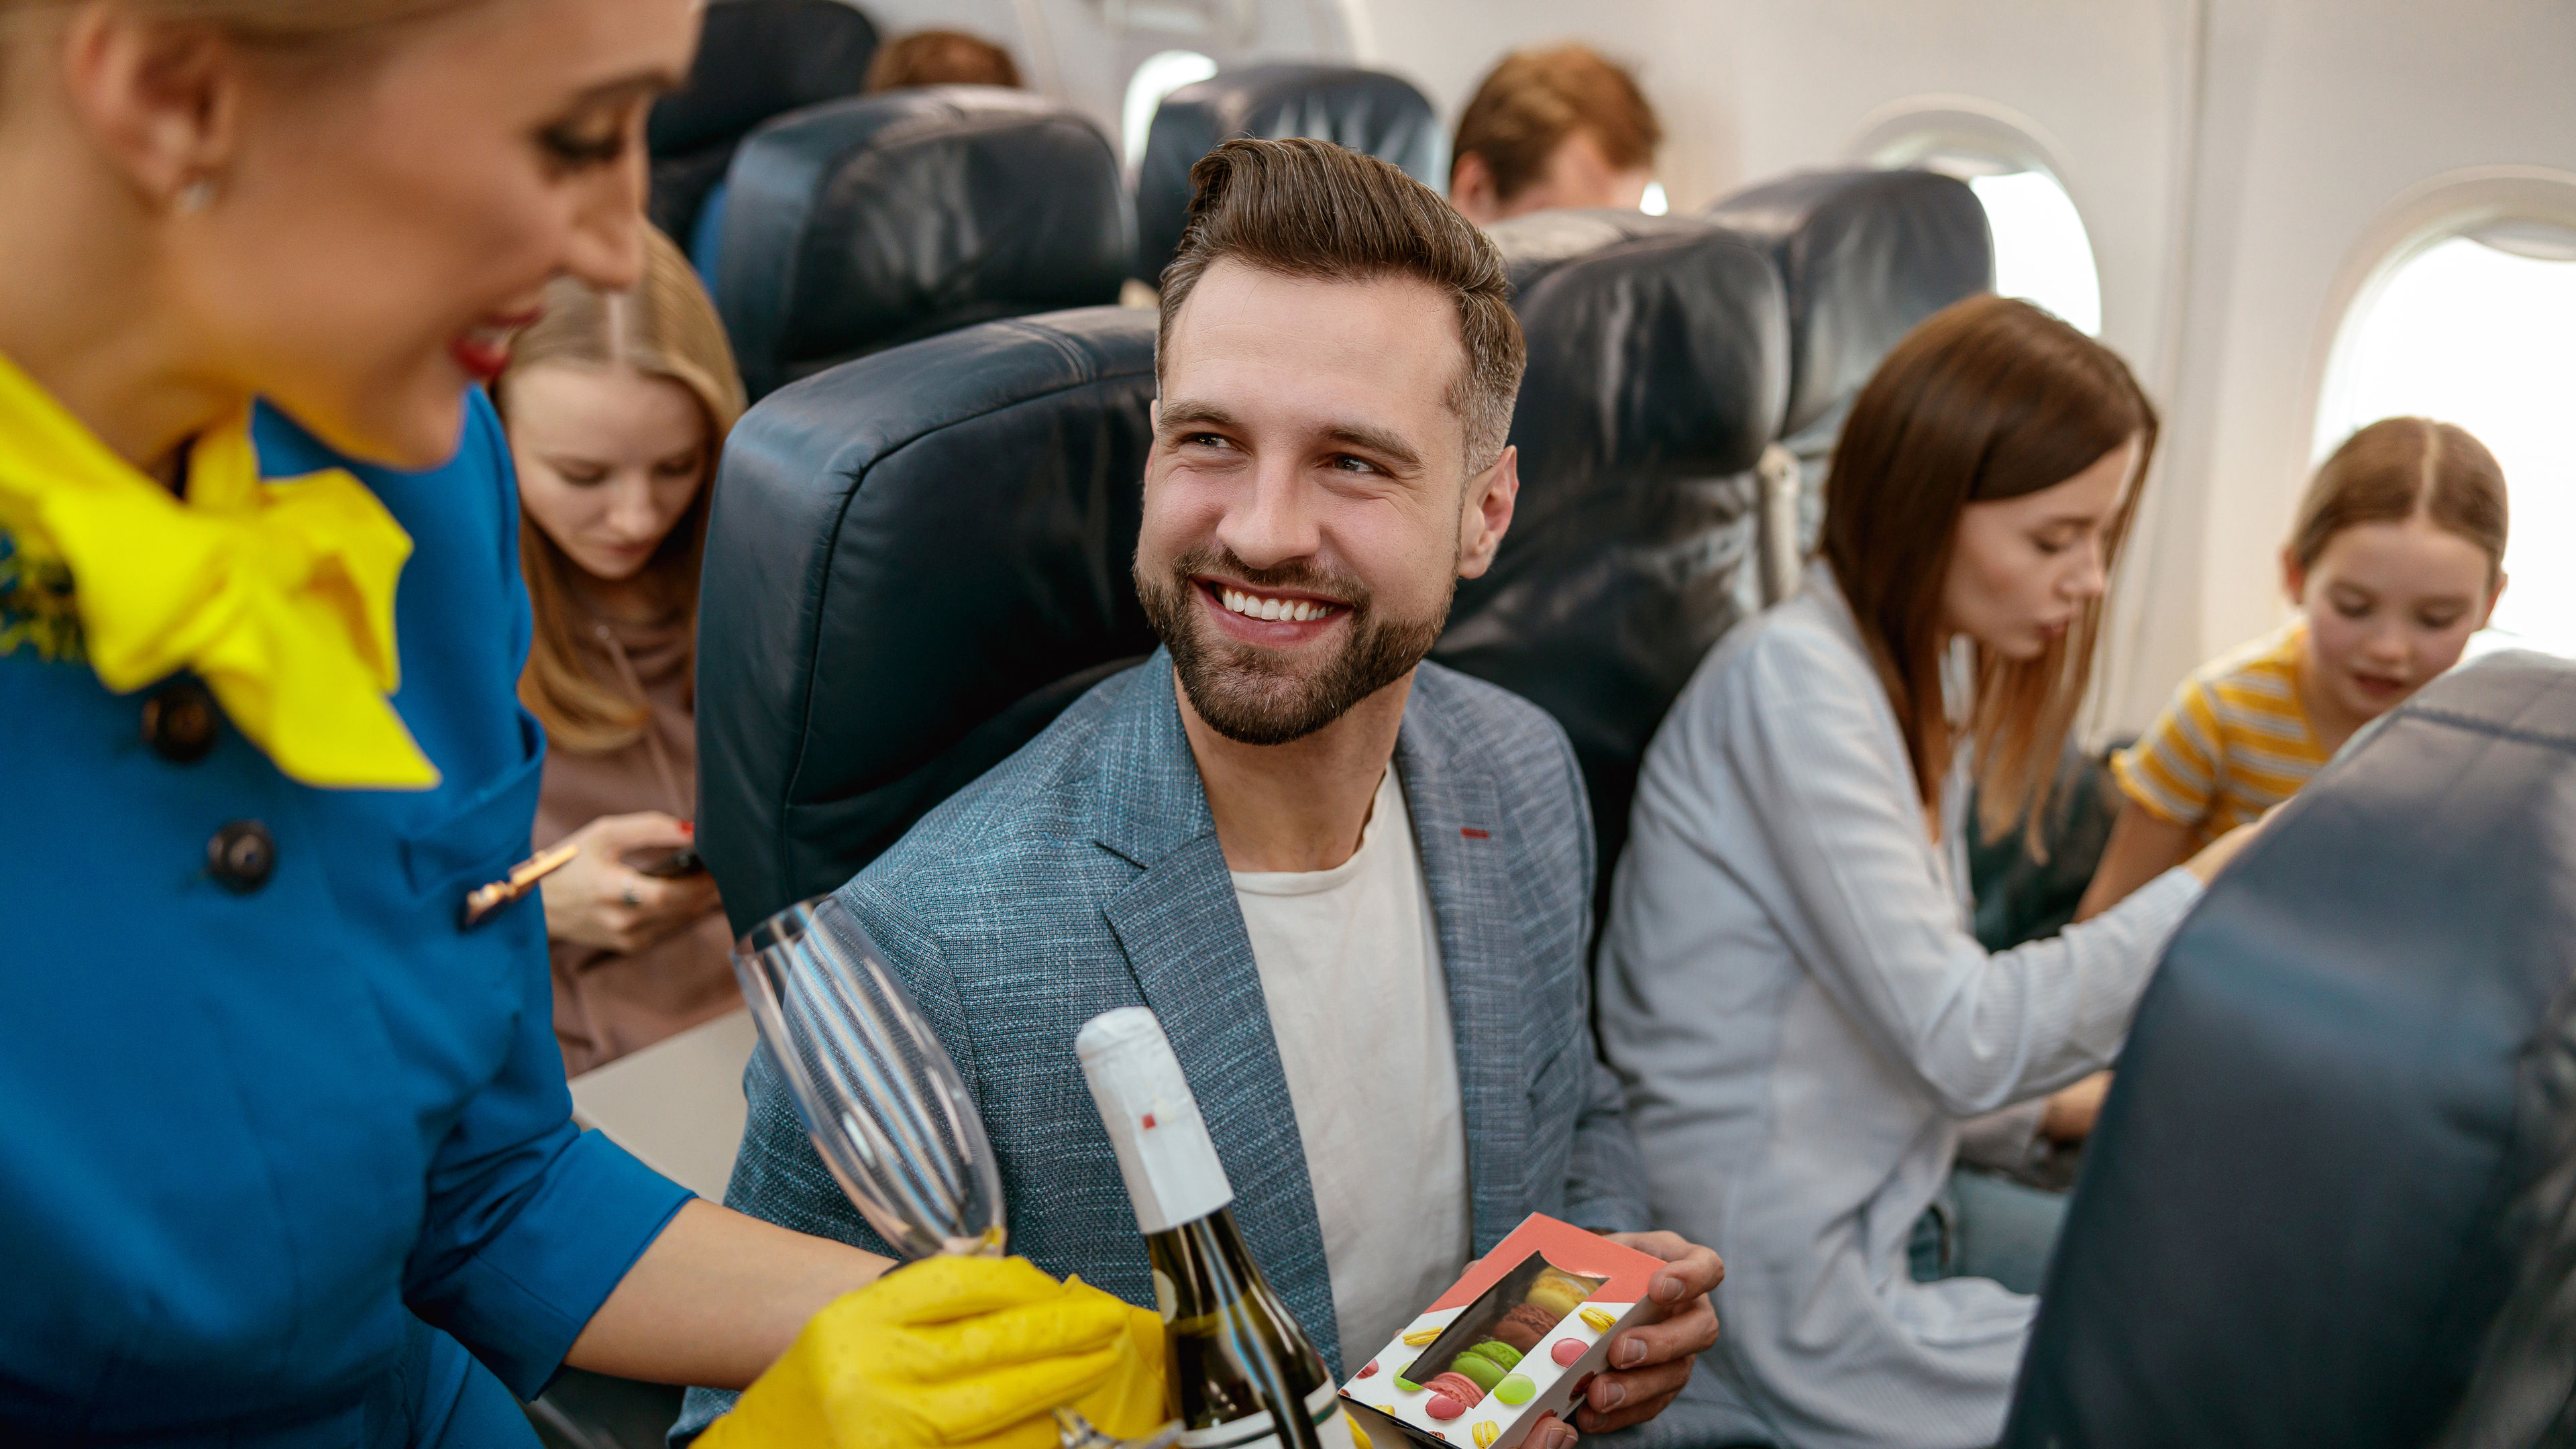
951,1353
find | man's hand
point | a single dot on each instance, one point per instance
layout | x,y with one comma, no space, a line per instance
1649,1363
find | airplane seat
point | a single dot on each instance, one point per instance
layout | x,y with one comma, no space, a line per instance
916,560
1363,109
1658,368
854,226
1536,243
756,59
1865,255
2332,1197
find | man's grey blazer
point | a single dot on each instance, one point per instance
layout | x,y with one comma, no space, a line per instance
1083,873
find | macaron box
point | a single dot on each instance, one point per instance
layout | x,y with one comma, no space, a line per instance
1514,1338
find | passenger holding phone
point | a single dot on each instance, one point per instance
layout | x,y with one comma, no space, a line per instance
617,405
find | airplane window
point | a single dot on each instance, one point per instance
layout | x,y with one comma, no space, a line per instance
2476,330
1159,76
1653,202
2042,253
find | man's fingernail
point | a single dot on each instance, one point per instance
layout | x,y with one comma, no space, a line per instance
1631,1352
1668,1289
1613,1394
1560,1436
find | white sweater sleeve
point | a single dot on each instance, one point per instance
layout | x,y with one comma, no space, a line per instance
1861,902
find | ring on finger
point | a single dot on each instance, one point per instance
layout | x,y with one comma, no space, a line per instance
632,898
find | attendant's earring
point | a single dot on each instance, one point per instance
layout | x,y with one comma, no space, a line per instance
197,195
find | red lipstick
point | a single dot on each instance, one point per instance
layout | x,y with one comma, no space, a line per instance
483,350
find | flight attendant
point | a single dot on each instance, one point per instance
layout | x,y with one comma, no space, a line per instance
283,1127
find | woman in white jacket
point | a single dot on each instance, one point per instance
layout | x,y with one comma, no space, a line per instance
1789,984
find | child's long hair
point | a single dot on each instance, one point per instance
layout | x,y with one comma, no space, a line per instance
2395,469
1989,398
664,327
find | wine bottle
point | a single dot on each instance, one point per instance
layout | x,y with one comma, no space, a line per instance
1234,1357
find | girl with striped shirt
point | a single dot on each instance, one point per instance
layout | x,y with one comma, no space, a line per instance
2397,557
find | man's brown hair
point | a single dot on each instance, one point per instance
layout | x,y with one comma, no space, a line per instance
1536,98
1989,398
940,58
1310,209
2397,468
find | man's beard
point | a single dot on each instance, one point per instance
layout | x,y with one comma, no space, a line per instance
1254,697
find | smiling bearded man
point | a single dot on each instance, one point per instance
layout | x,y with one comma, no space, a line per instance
1355,886
1249,693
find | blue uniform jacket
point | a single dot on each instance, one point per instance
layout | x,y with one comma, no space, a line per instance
243,1134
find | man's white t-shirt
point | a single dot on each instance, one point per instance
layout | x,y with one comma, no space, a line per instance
1350,967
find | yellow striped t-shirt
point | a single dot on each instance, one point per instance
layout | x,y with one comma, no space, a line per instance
2233,743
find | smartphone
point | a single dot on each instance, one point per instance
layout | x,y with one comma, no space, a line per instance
683,861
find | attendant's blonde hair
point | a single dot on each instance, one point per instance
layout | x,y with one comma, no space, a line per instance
664,327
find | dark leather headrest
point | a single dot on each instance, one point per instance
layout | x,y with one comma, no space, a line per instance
1362,109
856,225
914,562
1538,242
2332,1198
1657,368
761,58
1865,255
756,59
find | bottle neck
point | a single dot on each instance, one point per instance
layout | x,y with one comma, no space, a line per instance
1206,1263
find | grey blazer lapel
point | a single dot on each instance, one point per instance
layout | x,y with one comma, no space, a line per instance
1457,823
1182,931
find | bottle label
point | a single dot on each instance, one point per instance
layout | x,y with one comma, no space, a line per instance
1255,1431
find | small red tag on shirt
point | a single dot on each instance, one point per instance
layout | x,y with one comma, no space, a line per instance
1472,833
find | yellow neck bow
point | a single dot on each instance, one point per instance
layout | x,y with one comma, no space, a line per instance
279,593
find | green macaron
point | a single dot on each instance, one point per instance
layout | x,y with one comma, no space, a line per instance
1482,1371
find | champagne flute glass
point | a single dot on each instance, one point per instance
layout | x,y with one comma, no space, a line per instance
878,1094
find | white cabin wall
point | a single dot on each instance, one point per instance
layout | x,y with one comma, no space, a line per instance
2105,89
2321,115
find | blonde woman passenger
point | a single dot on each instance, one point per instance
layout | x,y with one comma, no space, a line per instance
286,1152
617,405
2396,557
